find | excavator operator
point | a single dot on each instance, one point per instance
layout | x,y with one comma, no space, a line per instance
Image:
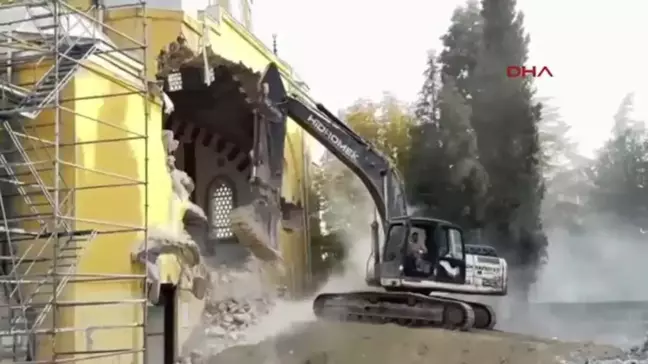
417,263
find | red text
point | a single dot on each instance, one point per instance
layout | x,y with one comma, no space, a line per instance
523,71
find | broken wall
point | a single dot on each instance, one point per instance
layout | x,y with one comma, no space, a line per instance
217,176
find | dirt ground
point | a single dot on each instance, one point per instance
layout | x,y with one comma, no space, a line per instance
345,343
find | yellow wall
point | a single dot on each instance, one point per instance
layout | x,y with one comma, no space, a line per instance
42,127
97,206
105,208
110,253
232,41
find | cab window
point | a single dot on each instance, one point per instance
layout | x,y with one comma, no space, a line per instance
395,242
456,243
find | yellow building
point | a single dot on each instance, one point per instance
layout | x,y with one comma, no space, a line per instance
85,171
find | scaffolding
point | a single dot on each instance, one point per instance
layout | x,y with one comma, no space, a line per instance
40,244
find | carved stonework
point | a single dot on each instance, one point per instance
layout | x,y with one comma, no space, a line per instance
174,56
178,54
254,225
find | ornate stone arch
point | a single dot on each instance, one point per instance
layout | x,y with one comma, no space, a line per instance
221,200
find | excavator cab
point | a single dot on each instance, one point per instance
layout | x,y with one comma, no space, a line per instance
419,257
420,254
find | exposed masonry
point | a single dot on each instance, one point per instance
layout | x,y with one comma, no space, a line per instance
217,161
255,224
240,293
175,237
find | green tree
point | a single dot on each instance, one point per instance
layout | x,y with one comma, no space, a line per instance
346,205
450,181
426,175
621,172
386,124
506,122
461,47
452,184
566,173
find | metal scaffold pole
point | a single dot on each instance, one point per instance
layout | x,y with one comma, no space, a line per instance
52,140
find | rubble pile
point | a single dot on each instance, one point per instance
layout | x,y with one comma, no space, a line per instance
229,318
635,355
239,300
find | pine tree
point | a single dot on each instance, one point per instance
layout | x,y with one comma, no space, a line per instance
506,121
461,47
468,178
425,175
566,173
453,183
621,172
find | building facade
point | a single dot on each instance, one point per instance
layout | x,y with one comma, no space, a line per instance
101,128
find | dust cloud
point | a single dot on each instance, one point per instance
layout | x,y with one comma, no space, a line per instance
356,237
589,289
605,263
287,316
584,269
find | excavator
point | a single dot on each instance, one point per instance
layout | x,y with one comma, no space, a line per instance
420,260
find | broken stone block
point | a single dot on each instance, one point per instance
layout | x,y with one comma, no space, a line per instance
169,142
242,318
216,331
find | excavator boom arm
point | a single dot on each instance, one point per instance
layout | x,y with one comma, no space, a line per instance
378,175
386,188
375,171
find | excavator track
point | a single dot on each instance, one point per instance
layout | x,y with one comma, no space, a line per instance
401,308
485,317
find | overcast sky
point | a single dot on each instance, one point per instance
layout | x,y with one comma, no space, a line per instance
350,49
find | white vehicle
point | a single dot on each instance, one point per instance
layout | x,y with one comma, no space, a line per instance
485,270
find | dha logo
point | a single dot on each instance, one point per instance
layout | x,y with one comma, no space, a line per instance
522,71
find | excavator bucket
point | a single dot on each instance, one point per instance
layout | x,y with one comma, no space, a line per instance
255,225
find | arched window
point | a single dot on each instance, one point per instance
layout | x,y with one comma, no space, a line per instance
221,203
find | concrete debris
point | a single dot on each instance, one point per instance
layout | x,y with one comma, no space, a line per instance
181,183
169,143
174,56
250,231
163,241
635,355
179,243
178,55
156,89
235,299
241,300
175,239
